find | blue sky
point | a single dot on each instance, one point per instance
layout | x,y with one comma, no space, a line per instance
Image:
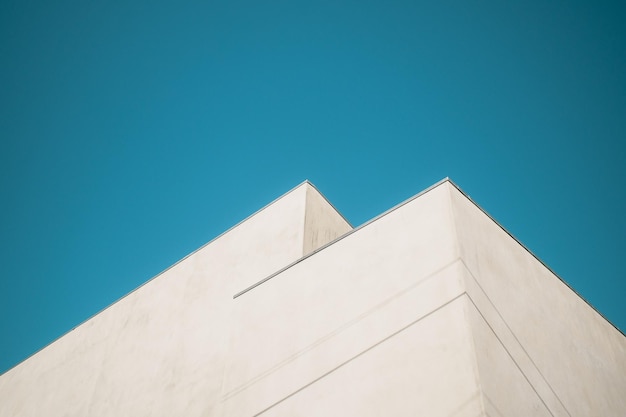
134,132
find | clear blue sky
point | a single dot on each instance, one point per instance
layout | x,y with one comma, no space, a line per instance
134,132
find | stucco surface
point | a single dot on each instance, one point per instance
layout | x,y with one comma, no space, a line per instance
429,309
406,374
573,357
340,302
161,349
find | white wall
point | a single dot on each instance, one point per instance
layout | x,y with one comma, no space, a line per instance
160,350
372,325
430,309
571,356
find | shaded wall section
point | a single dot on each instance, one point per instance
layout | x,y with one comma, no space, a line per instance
572,357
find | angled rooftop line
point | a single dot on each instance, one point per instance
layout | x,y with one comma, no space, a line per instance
396,207
164,271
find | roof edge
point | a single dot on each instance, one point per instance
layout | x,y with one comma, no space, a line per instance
157,275
354,230
532,253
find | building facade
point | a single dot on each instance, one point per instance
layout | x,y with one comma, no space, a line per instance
430,309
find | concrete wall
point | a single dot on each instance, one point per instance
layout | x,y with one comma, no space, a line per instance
372,325
430,309
572,357
160,350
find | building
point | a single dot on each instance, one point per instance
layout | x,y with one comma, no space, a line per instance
430,309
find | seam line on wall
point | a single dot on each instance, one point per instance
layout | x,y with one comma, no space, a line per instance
376,308
480,287
512,358
360,354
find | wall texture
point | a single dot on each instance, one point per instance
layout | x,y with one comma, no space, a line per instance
429,309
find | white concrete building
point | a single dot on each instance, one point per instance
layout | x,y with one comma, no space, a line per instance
430,309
